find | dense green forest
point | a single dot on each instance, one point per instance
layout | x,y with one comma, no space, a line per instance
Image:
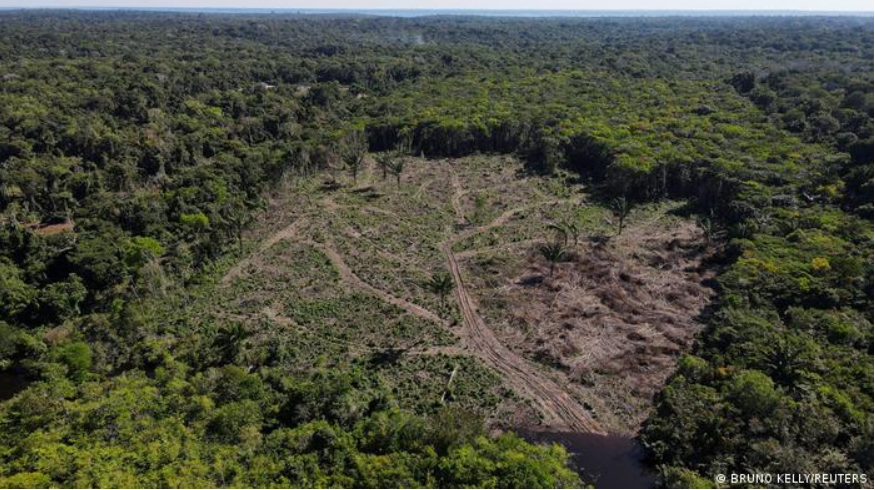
135,149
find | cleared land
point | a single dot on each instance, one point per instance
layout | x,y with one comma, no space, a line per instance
611,319
336,276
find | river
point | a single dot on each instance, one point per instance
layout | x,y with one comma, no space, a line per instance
603,461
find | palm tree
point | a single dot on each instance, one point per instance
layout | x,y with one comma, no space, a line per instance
554,253
397,168
352,151
442,285
393,161
229,340
559,230
565,229
710,230
383,161
788,360
237,218
621,209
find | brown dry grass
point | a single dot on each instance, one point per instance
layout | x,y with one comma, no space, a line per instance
612,319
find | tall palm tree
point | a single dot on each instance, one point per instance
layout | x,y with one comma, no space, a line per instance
571,230
352,151
621,208
559,230
383,161
397,168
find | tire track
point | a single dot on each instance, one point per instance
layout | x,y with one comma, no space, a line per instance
559,409
347,275
288,232
457,196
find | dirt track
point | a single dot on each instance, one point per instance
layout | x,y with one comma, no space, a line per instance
559,409
284,234
347,275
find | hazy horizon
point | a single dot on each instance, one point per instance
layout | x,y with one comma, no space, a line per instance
560,7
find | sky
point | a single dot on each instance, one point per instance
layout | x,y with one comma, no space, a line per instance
770,5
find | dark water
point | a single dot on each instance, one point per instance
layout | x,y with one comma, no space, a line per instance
604,461
11,384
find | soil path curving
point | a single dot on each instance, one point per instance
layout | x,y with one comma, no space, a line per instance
284,234
506,216
559,409
347,275
384,212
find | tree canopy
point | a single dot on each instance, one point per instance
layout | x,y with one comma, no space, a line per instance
136,146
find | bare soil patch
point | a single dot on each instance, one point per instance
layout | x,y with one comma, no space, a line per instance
612,319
